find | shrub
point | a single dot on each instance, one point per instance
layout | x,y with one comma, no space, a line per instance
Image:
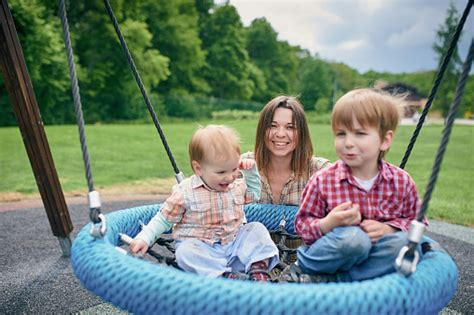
235,114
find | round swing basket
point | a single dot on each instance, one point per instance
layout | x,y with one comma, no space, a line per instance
142,287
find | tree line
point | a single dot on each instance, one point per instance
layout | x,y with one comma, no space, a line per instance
195,57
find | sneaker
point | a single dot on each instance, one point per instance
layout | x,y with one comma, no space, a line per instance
259,275
259,271
235,275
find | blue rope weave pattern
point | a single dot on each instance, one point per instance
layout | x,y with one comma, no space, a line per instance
142,287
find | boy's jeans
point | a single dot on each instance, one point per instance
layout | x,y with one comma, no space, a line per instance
349,252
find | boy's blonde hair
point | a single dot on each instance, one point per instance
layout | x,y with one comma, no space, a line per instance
371,107
213,142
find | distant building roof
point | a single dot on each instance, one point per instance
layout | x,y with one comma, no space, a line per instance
411,92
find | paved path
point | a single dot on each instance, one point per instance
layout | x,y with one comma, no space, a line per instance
35,279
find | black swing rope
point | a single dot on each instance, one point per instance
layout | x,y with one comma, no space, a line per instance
94,200
408,257
437,82
136,75
447,130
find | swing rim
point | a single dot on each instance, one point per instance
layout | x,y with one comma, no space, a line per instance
140,286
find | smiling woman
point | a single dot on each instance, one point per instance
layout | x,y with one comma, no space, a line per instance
284,151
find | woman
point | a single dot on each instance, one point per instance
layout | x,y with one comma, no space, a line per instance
284,152
284,156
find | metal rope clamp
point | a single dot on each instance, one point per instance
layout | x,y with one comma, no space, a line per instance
99,223
408,257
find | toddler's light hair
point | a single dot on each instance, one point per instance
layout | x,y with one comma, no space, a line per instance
213,142
371,107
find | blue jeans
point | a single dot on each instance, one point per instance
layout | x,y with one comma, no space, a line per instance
348,252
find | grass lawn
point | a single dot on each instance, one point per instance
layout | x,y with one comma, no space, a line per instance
129,156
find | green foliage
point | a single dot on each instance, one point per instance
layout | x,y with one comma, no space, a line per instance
277,60
233,114
443,39
181,105
43,49
194,58
348,78
109,89
175,25
314,82
228,62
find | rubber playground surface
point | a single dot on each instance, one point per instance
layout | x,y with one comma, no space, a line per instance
36,279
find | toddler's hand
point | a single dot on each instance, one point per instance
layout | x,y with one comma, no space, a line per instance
246,164
138,246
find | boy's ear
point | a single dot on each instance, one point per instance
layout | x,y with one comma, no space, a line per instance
387,141
196,167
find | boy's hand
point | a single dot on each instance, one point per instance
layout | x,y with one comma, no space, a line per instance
375,229
139,247
246,164
345,214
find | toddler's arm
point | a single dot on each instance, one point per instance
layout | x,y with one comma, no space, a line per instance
157,225
252,177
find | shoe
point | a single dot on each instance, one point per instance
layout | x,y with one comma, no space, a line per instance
259,271
261,275
235,275
293,273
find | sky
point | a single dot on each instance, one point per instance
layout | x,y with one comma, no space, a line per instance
392,35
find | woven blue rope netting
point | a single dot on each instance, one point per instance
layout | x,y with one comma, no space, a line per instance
142,287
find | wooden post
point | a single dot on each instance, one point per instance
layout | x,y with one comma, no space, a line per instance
22,97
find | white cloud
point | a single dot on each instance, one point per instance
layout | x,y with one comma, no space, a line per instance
418,33
351,45
390,35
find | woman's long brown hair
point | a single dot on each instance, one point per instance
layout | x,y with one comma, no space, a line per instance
303,153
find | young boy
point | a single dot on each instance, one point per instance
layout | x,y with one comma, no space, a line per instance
206,213
353,215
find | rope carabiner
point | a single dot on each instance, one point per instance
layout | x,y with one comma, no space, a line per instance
408,257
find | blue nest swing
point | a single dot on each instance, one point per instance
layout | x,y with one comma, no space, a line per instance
142,287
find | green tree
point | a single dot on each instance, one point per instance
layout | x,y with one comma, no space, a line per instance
174,25
314,83
347,78
228,68
467,104
276,59
444,35
40,36
107,85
